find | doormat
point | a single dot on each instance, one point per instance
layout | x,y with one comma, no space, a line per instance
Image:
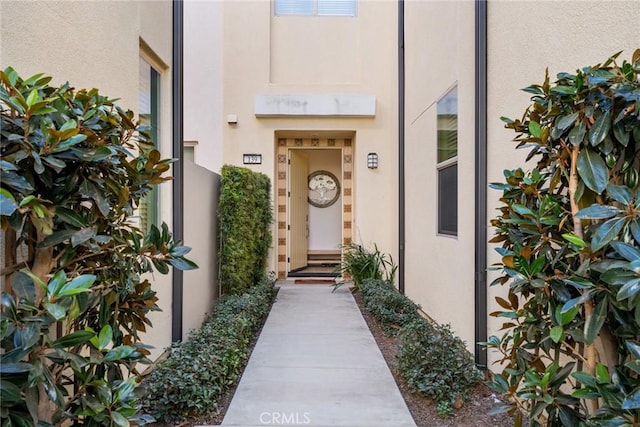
314,281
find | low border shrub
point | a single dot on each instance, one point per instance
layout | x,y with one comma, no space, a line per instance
434,361
390,308
198,372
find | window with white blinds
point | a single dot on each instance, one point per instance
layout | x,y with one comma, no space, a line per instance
315,7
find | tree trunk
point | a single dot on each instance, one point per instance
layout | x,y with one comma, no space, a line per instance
41,267
591,355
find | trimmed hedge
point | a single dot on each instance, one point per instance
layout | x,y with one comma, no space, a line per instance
245,215
389,307
434,361
198,372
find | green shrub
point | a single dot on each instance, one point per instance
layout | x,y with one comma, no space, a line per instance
361,263
70,184
198,372
569,236
245,215
435,362
389,307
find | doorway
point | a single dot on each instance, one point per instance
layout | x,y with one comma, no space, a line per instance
314,204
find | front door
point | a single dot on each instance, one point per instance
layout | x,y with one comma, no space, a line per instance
298,210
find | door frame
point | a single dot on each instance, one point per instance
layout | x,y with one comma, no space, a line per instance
308,141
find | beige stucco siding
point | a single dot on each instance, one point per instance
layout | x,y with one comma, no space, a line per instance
525,38
439,43
344,55
203,114
97,44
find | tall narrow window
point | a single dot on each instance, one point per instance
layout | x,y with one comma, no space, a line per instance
315,7
448,163
148,110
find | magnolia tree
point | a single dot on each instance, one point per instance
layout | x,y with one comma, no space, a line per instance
74,169
569,231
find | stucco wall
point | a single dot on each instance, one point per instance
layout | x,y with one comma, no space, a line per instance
97,44
201,290
203,115
439,52
561,35
252,68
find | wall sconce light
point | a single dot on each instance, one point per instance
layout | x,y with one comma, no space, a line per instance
372,160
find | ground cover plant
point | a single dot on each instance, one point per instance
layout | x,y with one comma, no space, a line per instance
569,231
200,371
74,169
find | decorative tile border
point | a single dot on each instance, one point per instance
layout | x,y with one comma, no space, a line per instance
283,145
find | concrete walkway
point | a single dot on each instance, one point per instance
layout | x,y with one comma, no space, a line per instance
317,364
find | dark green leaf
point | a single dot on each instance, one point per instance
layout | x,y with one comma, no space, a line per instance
635,230
88,189
634,348
56,310
69,142
56,164
564,90
15,368
629,290
627,251
56,238
183,264
9,392
606,232
598,212
620,193
8,204
634,365
78,285
8,166
23,286
69,216
594,323
118,353
73,339
593,170
600,129
621,134
15,181
567,121
632,401
82,235
119,419
59,279
105,337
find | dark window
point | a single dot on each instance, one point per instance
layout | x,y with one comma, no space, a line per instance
447,138
448,200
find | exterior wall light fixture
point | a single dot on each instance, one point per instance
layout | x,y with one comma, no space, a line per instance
372,160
